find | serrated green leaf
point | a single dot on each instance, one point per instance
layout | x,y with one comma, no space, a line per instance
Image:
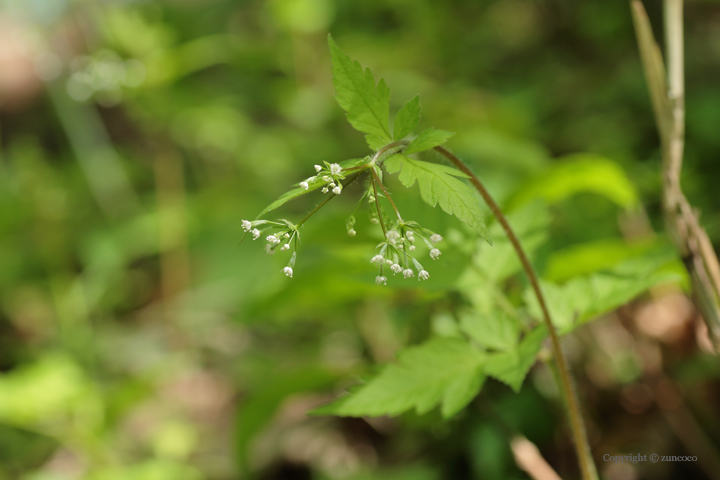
438,185
428,139
407,118
299,191
584,298
495,330
512,367
446,371
375,143
367,106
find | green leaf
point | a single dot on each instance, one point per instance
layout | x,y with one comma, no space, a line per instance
438,185
407,118
367,106
531,224
300,191
446,371
584,298
375,143
579,173
428,139
512,367
495,330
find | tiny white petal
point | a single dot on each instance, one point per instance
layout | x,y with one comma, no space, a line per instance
435,253
287,235
379,259
247,226
337,190
410,236
388,262
380,280
352,232
412,248
288,271
374,220
272,239
318,168
435,238
335,169
396,268
255,233
423,275
304,185
324,190
326,178
285,247
408,273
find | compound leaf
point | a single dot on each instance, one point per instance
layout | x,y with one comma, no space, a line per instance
438,185
446,371
512,367
407,118
367,106
428,139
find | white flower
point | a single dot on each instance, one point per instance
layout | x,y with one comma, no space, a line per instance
304,185
335,169
435,253
423,275
410,236
324,190
288,271
392,235
435,238
332,185
287,235
412,248
255,233
374,220
247,226
408,273
272,240
388,262
318,168
337,190
285,247
395,268
379,259
352,232
325,178
380,280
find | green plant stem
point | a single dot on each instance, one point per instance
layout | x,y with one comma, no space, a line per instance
330,197
377,204
387,194
582,447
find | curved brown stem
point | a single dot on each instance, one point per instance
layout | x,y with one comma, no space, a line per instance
387,194
582,447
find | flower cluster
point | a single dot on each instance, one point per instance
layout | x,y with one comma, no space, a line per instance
395,251
330,177
285,236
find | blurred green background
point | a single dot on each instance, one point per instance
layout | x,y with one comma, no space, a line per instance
139,340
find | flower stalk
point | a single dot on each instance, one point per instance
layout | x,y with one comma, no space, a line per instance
577,426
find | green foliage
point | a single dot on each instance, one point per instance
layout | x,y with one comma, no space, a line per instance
577,173
438,185
428,139
583,298
407,118
511,367
442,371
367,105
